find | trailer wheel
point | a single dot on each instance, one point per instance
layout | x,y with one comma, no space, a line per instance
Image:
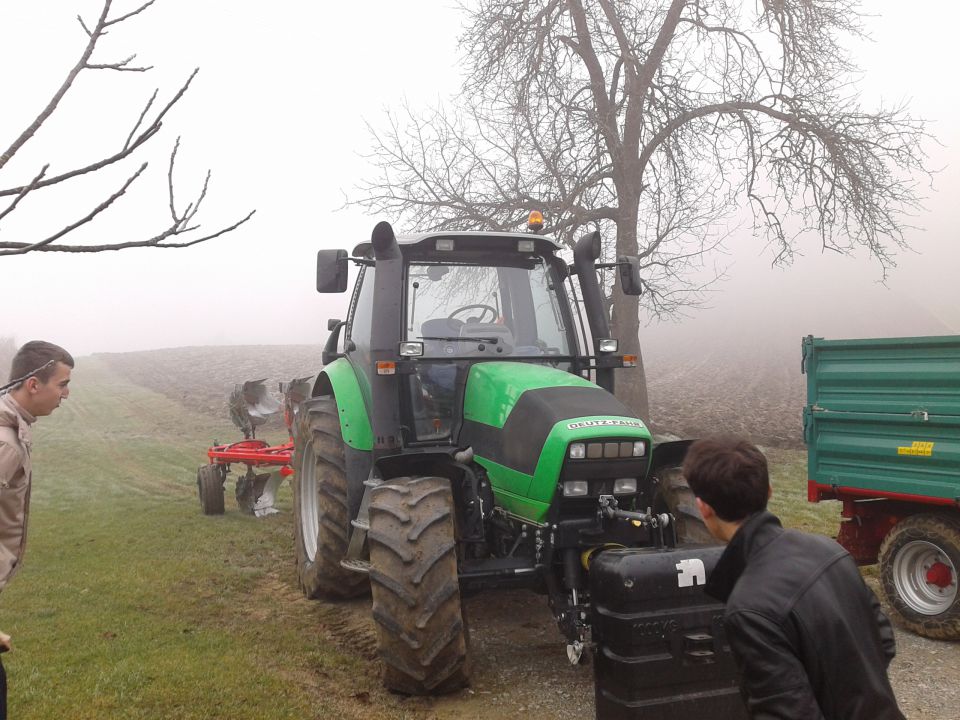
210,487
421,632
321,515
674,495
919,560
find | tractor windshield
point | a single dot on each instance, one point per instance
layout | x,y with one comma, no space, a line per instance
484,311
476,312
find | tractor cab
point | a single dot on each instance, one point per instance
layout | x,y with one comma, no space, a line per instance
466,298
474,305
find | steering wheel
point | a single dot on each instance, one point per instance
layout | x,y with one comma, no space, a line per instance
484,309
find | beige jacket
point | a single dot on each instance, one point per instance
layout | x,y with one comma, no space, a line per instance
15,473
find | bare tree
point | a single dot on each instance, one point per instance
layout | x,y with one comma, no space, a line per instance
663,123
182,230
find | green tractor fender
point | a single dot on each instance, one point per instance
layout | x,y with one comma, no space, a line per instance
339,379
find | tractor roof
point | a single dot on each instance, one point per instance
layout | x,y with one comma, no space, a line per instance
423,239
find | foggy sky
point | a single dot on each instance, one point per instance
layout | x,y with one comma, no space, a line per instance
278,113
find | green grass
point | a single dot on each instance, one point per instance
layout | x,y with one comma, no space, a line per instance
788,477
131,604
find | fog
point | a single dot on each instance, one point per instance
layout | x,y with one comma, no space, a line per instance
277,112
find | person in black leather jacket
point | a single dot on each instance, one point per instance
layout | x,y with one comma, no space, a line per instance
808,635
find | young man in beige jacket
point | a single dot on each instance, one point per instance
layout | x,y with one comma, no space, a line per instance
39,381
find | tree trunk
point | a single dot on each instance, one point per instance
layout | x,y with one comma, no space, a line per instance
631,384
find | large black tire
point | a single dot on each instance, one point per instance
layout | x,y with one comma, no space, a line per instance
321,515
919,560
421,633
674,495
210,487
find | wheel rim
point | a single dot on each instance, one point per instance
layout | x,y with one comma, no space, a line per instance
920,575
309,522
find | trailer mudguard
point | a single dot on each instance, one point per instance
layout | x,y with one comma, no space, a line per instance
520,419
339,379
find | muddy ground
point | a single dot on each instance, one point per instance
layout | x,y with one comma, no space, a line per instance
520,663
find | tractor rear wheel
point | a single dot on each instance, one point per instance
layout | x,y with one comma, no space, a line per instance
321,514
675,496
422,636
210,487
919,560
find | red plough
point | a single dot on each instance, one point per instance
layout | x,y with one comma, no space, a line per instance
250,406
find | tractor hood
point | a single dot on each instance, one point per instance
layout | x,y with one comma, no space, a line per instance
520,419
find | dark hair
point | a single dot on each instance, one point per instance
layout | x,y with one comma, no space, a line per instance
38,359
729,474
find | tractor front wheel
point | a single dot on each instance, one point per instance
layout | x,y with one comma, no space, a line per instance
919,560
321,514
675,496
421,632
210,487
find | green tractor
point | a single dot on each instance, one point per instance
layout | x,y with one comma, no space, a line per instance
463,435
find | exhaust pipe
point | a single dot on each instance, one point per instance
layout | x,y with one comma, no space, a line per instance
585,254
385,333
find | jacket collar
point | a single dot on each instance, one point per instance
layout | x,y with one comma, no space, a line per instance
757,531
14,416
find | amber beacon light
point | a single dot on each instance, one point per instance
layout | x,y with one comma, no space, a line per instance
535,221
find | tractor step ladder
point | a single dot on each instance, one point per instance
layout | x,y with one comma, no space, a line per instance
354,559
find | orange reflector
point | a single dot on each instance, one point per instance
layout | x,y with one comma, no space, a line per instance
629,360
386,367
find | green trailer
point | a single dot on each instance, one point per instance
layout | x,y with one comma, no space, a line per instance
882,428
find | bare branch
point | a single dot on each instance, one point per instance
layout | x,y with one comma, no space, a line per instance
26,190
127,150
61,91
130,14
180,232
42,244
155,242
122,65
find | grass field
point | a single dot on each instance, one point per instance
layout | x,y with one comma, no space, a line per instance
131,604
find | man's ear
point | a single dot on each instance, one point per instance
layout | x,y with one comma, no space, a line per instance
706,511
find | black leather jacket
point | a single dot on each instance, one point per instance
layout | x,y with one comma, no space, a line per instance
807,633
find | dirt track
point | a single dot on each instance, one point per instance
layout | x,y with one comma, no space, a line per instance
520,664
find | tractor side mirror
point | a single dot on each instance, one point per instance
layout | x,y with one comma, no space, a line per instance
630,282
332,271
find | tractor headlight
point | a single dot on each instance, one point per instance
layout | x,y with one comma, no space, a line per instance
575,488
624,486
411,349
608,345
607,449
